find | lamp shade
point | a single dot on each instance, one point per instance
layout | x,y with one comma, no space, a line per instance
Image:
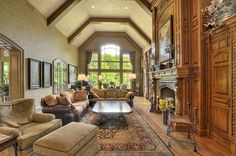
81,77
86,79
100,78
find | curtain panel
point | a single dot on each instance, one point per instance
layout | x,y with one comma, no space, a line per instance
89,55
132,59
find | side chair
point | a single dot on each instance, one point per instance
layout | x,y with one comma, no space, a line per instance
183,124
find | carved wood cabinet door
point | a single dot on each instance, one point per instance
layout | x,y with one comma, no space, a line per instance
220,113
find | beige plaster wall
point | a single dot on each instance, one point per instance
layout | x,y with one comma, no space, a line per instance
24,25
125,45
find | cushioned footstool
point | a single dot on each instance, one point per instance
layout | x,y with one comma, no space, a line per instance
70,140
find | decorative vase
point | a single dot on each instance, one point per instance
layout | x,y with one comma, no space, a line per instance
165,117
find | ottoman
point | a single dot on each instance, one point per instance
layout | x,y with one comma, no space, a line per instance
70,140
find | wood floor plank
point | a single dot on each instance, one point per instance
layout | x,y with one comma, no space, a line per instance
205,145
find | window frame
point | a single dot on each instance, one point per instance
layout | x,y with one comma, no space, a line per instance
121,71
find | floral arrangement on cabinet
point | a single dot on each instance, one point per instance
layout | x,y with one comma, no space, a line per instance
214,13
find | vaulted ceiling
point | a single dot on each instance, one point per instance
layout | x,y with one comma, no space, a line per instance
80,19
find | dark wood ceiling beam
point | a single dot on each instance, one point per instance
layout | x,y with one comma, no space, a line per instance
110,34
145,5
112,20
61,11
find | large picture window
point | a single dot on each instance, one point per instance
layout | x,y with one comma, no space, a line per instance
112,63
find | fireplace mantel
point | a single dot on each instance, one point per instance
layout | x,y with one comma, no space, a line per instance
173,73
172,78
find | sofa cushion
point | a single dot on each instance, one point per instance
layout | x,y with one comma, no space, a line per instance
66,95
100,92
71,93
111,93
78,109
51,100
80,103
80,95
63,101
55,143
94,94
121,93
33,131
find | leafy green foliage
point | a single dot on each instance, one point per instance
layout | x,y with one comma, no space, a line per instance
111,66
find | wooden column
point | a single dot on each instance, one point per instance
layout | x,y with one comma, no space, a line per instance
232,29
154,98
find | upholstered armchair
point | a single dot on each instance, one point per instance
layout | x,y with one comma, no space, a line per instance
18,118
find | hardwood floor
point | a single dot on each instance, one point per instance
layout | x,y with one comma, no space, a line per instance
205,145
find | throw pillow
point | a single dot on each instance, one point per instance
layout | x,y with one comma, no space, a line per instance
66,95
100,92
94,94
80,95
111,93
51,100
63,101
121,93
71,93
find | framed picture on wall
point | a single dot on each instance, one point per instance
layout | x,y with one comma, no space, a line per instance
46,74
165,36
34,73
72,73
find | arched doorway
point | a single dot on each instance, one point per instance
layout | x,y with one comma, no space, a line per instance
11,70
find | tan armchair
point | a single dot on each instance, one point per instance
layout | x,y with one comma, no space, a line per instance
18,118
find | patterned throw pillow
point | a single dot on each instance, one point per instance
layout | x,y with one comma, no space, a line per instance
121,93
100,92
66,95
94,94
111,93
51,100
71,93
63,101
80,95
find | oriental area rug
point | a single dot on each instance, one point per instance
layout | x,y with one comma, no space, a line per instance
136,138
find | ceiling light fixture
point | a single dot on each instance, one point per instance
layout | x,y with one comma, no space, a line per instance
92,6
126,7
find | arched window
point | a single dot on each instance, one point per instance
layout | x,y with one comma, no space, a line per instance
112,63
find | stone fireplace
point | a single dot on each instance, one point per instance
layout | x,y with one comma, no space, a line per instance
172,82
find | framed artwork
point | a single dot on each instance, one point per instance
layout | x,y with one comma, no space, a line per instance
47,74
72,73
34,73
165,36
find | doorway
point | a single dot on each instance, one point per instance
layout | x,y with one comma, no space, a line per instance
11,70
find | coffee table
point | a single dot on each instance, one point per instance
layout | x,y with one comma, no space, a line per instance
112,111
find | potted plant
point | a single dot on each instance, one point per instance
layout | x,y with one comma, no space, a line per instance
170,50
4,91
165,106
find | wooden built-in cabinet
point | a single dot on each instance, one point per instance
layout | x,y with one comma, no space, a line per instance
205,67
220,71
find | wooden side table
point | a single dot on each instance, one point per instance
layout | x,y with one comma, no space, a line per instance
7,141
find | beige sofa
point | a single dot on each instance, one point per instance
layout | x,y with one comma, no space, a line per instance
111,94
19,118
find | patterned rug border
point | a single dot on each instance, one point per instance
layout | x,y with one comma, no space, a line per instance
154,131
151,133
